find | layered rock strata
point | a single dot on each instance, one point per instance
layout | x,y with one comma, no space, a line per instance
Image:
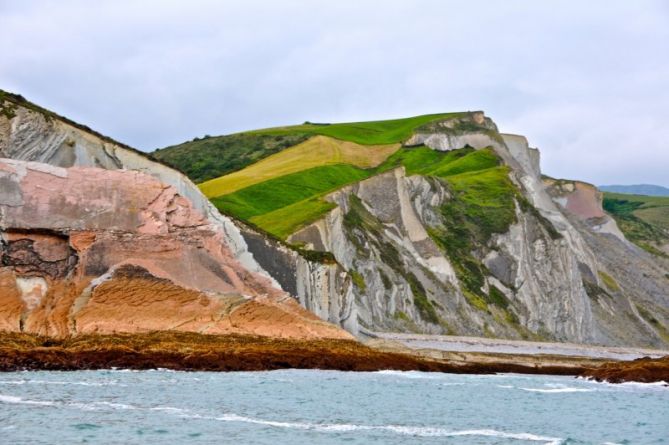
86,250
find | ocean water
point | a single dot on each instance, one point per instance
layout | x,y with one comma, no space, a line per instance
314,407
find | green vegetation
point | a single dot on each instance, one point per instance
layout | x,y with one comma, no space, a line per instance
315,152
399,315
286,190
284,204
211,157
7,107
475,300
593,290
358,280
610,283
646,315
366,133
483,204
285,221
282,192
497,297
643,219
424,161
420,300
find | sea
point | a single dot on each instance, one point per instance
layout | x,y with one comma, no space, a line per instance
325,407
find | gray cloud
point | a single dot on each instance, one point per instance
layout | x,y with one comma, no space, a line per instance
587,82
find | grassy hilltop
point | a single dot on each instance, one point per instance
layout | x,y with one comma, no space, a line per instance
643,219
211,157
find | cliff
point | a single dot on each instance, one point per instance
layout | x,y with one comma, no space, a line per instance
88,250
31,133
457,233
436,224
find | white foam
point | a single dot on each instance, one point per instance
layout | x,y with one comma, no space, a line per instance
661,383
169,409
410,374
416,431
397,429
557,390
52,382
19,400
114,405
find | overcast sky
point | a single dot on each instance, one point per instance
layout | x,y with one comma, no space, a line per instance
586,81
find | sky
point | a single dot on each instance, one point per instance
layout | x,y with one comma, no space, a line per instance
586,82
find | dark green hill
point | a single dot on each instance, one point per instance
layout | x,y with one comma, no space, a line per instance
636,189
643,219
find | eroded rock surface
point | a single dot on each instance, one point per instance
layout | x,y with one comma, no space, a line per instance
559,272
31,134
88,250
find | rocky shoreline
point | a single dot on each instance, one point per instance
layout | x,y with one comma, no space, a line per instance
198,352
190,352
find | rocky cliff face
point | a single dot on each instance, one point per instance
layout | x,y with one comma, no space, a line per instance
30,133
403,253
545,277
87,250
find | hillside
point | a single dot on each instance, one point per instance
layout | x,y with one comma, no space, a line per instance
643,219
436,224
636,189
211,157
441,225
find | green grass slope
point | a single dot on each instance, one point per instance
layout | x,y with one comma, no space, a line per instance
282,205
280,192
211,157
317,151
643,219
365,133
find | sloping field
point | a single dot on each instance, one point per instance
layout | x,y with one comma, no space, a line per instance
210,157
283,191
366,133
315,152
643,219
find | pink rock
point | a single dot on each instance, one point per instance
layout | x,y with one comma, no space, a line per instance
94,250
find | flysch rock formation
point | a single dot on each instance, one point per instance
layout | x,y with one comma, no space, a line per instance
30,133
555,265
89,250
564,269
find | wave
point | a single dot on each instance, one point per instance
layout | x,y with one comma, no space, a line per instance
416,431
661,383
550,388
557,390
410,374
18,400
52,382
